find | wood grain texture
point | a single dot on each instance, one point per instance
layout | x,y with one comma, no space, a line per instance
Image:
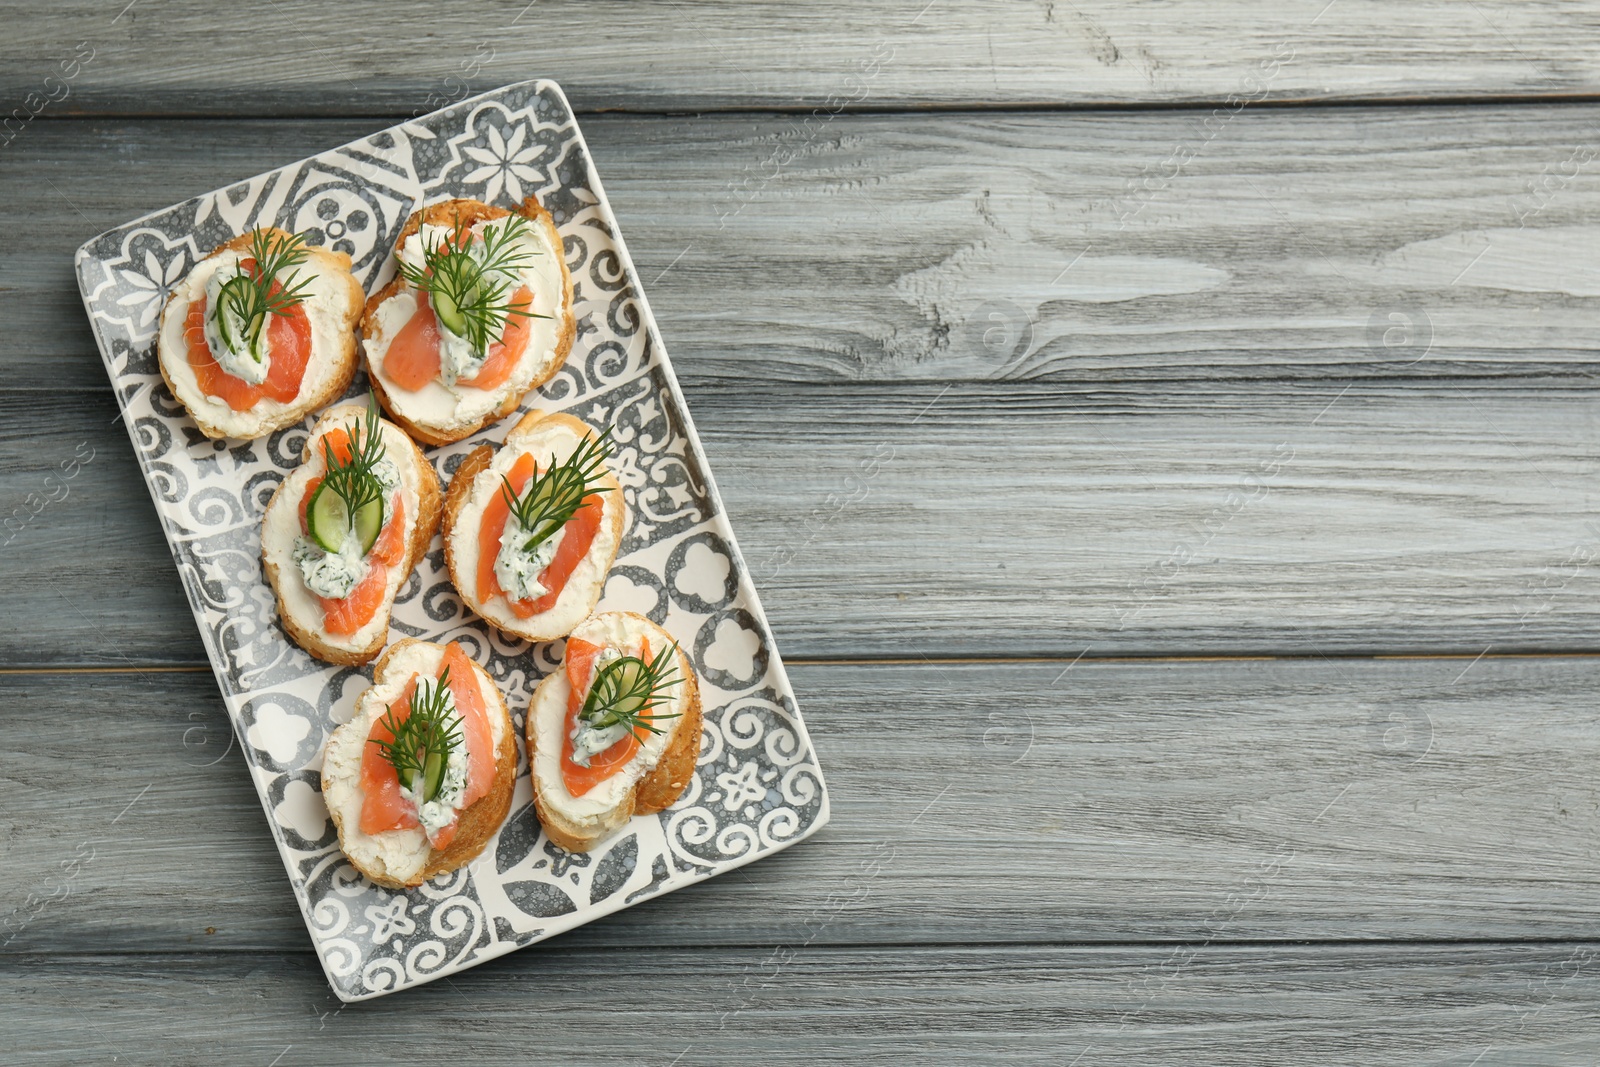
1119,247
1365,517
1335,1005
1221,378
1398,243
291,56
1108,802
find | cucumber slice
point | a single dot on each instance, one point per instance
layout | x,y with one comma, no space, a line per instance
327,518
225,297
256,331
630,674
545,492
540,504
369,524
230,297
432,777
449,315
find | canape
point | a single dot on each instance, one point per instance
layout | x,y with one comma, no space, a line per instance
615,732
259,334
421,777
344,531
531,529
479,312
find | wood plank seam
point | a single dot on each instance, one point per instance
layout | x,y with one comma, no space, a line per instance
1153,660
975,107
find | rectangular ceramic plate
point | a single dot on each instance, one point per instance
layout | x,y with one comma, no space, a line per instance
757,788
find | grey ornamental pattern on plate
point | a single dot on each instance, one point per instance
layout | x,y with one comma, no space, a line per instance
757,787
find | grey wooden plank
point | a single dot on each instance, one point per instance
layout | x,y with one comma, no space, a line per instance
83,557
1503,1004
294,56
1027,519
1008,802
1386,242
1040,520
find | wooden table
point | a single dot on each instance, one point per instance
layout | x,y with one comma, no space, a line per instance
1165,437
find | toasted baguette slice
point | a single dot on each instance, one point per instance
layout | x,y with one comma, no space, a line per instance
401,858
437,414
299,609
478,481
332,305
650,782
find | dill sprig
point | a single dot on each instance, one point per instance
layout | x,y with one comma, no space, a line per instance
354,480
474,277
627,689
421,746
250,294
549,500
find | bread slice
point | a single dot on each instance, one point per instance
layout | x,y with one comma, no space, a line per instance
477,481
298,608
437,415
333,306
402,858
650,783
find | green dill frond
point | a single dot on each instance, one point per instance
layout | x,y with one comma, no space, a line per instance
627,689
549,500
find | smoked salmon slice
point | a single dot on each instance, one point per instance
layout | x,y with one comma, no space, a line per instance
338,439
390,547
493,526
288,349
289,346
383,807
412,360
237,393
580,534
602,765
474,722
581,528
504,354
348,614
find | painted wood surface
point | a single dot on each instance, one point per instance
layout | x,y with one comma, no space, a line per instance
1288,244
291,56
1110,802
1337,1005
1338,518
1306,388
